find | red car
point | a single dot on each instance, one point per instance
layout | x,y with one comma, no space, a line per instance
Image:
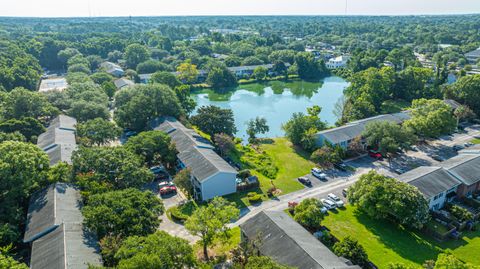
375,155
166,188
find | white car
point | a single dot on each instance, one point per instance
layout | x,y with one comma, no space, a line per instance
324,210
332,197
328,204
316,172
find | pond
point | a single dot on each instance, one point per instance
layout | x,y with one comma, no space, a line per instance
276,101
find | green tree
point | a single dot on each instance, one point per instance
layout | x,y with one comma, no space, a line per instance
350,248
135,54
101,77
210,222
448,261
214,120
15,136
64,55
7,262
166,78
158,250
139,104
186,101
260,73
220,78
154,147
151,66
84,111
183,179
256,126
98,132
21,103
309,213
125,212
23,170
28,127
326,156
382,197
224,143
387,137
466,91
300,125
309,68
264,262
431,118
100,169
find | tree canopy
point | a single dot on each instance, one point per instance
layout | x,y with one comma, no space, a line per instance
382,197
431,118
214,120
125,212
98,132
154,147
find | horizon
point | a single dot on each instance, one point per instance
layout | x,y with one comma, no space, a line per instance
149,8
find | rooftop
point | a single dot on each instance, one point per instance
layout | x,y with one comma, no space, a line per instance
122,82
50,207
465,167
430,180
50,84
287,242
63,122
55,136
67,247
194,151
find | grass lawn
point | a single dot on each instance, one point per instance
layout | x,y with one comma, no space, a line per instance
220,247
291,163
394,106
475,141
386,242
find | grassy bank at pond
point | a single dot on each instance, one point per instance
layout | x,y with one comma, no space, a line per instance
289,161
386,242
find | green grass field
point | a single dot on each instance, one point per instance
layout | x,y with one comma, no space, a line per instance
475,141
291,163
386,242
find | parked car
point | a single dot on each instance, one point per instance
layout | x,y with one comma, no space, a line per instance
328,204
468,144
414,148
163,176
399,170
316,172
332,197
324,210
375,155
458,147
166,187
157,169
437,158
341,166
344,192
305,181
130,134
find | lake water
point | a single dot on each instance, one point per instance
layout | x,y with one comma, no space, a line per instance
276,101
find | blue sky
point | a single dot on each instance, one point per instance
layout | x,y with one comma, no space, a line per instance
85,8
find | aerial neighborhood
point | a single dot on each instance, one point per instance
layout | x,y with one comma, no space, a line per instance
257,142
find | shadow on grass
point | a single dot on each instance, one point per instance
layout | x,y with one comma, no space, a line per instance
412,245
238,196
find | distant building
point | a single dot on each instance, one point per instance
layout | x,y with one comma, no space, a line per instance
55,229
211,175
123,82
287,242
473,56
59,141
338,62
343,135
53,84
112,68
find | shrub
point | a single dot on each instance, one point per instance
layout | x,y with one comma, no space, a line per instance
177,215
243,174
460,213
254,197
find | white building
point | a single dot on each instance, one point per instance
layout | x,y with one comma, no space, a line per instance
211,175
338,62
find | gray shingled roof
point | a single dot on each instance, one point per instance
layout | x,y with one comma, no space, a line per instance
63,122
55,136
473,54
67,247
122,82
194,151
287,242
50,207
430,180
465,167
61,153
355,128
